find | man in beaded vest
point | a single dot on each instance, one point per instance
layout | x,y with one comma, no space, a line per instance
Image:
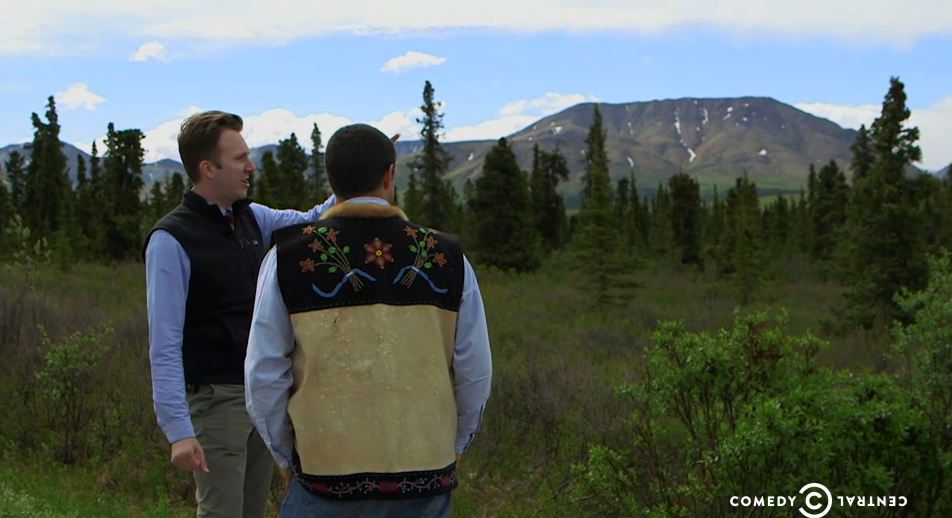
368,365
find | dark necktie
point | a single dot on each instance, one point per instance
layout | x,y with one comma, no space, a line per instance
231,219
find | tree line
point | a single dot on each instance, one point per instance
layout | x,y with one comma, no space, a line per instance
870,228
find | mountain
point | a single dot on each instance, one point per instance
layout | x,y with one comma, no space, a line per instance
715,140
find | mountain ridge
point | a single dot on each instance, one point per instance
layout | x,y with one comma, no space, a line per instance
715,140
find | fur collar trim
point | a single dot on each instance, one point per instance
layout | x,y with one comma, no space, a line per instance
363,210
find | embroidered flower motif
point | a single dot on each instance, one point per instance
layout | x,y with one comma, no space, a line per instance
423,259
388,486
334,258
378,253
411,232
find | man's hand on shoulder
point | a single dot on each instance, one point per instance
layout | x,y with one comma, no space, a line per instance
188,455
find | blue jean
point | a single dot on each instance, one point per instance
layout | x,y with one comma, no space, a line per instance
299,503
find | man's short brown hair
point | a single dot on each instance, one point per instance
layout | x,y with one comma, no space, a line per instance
198,139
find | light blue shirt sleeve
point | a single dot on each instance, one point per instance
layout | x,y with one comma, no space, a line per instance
270,219
472,361
167,271
268,378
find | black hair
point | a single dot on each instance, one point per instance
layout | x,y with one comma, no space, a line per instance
356,159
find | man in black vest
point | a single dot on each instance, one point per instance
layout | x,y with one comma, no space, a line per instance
202,263
368,363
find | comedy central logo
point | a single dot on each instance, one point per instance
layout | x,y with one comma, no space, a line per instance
819,502
813,495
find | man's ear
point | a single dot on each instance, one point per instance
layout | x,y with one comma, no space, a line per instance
206,169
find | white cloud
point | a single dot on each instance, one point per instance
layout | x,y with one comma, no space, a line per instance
275,124
78,94
935,132
268,127
151,50
412,59
516,115
47,27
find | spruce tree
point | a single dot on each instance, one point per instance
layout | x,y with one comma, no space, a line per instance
122,184
505,233
157,202
604,265
98,220
47,189
744,239
437,206
269,177
413,199
686,217
174,190
291,190
716,225
661,241
828,213
86,208
318,179
862,154
548,170
883,246
7,211
15,167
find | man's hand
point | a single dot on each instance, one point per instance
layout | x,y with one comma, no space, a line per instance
187,454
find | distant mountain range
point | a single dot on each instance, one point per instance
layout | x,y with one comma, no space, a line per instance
714,140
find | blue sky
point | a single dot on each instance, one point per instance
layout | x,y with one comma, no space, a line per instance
497,67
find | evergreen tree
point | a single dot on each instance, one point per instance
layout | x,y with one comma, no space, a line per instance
157,202
7,212
640,221
505,233
548,169
268,178
320,191
883,247
862,154
413,199
436,208
803,224
743,239
122,183
622,207
828,212
16,178
686,217
47,191
716,225
593,243
661,239
85,208
174,190
98,220
291,190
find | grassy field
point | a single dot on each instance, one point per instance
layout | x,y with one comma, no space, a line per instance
557,363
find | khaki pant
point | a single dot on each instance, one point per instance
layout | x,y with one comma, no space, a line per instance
240,467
